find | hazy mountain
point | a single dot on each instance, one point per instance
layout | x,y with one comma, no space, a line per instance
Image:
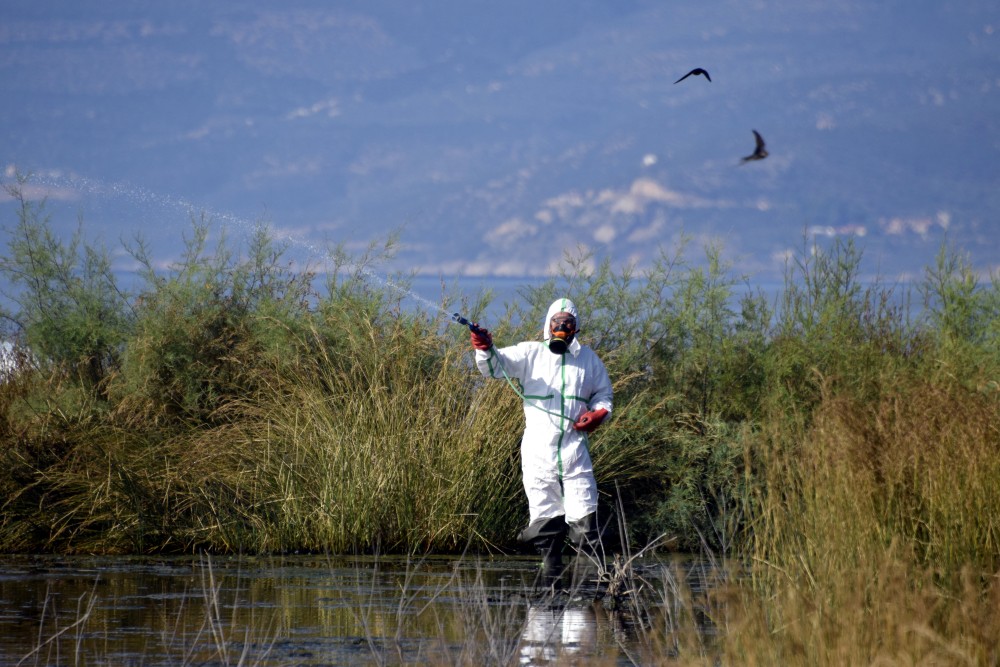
496,136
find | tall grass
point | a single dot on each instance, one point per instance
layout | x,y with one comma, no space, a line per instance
839,441
390,449
876,543
250,413
873,534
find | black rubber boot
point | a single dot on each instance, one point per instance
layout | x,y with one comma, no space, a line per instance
548,536
589,569
585,534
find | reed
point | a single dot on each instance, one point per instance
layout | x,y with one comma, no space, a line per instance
389,443
392,448
395,444
874,533
834,441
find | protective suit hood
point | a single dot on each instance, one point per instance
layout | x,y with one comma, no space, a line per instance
563,305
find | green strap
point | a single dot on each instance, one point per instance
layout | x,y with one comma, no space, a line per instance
527,398
562,428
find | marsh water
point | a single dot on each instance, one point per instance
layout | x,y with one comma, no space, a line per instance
316,610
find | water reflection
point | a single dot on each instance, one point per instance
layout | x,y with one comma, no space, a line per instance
306,611
551,633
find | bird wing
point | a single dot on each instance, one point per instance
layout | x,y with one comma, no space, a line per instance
759,139
696,70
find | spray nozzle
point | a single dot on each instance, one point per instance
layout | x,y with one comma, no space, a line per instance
473,327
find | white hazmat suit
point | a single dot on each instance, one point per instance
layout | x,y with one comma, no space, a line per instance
558,389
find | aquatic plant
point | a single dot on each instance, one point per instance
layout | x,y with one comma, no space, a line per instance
837,444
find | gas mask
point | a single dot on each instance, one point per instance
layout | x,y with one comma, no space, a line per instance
562,330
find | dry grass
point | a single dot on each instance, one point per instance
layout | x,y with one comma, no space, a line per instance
876,537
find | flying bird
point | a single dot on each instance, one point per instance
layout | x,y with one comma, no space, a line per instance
759,152
696,71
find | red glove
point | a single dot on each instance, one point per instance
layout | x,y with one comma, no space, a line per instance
482,340
589,421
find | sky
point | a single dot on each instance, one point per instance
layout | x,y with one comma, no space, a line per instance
496,139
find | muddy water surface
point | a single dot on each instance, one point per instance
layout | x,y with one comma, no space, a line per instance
314,610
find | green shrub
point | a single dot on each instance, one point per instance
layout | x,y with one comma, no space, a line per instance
201,324
240,408
962,315
68,309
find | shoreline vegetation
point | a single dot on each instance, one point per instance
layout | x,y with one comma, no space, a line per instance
842,450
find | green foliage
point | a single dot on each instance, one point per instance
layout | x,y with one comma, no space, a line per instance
962,313
69,310
833,327
240,408
197,325
687,485
695,354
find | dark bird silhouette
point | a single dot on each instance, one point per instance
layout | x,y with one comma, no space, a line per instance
696,71
759,152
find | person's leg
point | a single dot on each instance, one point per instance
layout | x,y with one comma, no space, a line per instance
585,535
546,531
580,500
584,530
547,536
544,494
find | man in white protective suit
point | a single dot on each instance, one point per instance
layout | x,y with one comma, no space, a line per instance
567,394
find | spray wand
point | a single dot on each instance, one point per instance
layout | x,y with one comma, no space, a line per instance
473,327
